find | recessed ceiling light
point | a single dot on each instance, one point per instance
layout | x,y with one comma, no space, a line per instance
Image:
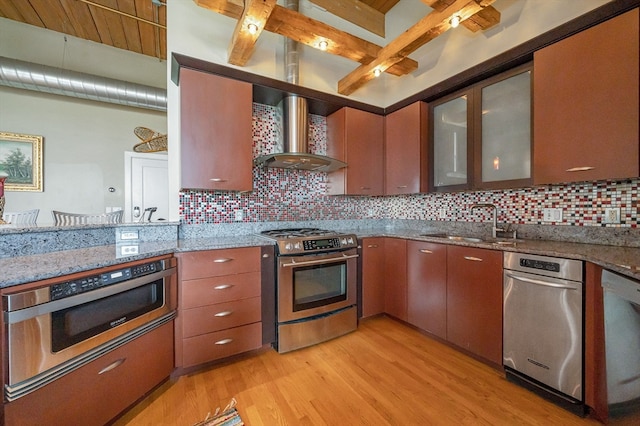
455,21
253,28
323,45
377,72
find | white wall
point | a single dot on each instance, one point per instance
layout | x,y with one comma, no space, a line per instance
84,141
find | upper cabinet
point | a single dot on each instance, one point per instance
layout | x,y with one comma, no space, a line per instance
586,104
356,137
216,134
405,151
481,136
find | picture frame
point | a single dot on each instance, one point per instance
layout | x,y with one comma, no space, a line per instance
21,159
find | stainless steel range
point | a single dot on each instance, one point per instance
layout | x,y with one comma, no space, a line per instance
316,286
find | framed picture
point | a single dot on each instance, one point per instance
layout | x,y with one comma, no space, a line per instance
21,160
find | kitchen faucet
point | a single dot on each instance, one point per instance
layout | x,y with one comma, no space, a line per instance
494,211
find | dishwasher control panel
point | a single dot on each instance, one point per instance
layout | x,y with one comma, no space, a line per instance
540,264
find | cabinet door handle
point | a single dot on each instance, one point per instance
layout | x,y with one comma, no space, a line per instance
113,365
474,259
401,186
372,246
223,260
223,286
366,188
224,342
266,255
580,169
217,180
425,251
223,314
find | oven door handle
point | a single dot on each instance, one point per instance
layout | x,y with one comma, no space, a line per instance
321,261
541,282
90,296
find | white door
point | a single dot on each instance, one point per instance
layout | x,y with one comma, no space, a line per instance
146,181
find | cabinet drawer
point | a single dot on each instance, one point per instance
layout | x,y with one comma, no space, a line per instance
221,344
208,291
206,319
212,263
100,390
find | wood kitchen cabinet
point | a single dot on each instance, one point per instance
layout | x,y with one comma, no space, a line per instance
97,392
427,287
219,312
474,301
373,276
395,273
405,154
356,137
586,104
216,132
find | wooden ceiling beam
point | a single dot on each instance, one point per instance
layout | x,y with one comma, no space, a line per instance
308,31
356,12
243,42
428,28
485,19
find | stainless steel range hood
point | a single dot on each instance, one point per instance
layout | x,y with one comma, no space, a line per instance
295,147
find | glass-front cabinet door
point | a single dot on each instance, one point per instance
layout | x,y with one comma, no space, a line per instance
503,145
451,163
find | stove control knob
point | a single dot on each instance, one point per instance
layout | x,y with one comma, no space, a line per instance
297,246
343,241
350,240
288,246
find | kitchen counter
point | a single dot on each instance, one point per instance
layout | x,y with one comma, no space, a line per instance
35,267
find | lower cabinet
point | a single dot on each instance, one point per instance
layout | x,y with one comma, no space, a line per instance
373,278
395,273
220,305
474,301
427,287
97,392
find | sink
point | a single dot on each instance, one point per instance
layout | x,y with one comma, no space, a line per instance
453,237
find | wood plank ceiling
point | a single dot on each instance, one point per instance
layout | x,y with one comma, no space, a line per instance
135,25
140,26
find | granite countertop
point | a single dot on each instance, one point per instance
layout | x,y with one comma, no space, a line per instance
24,269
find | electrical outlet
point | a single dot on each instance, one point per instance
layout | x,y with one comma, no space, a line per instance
611,215
552,215
442,213
129,235
238,215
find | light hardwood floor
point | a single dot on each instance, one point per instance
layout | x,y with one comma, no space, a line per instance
385,373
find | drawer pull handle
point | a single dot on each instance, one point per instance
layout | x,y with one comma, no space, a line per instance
425,251
224,341
365,188
474,259
223,286
217,180
223,314
580,169
223,260
113,365
401,186
266,255
372,246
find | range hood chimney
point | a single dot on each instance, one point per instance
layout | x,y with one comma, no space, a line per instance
295,124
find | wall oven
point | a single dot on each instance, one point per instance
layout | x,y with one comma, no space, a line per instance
316,286
53,330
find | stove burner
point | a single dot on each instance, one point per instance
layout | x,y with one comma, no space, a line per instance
297,233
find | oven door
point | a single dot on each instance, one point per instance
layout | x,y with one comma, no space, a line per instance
316,284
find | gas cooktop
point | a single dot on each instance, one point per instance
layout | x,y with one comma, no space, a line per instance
310,240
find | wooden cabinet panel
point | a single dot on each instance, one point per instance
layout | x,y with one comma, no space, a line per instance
372,276
216,132
207,291
586,104
474,301
356,137
427,287
395,290
206,319
221,344
213,263
93,394
405,154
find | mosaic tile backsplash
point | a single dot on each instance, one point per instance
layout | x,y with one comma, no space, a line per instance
284,195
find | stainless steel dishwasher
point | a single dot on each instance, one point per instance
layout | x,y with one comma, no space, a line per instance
543,327
622,346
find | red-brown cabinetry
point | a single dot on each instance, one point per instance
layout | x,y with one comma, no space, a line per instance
427,287
373,276
356,137
474,301
395,288
215,132
586,104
